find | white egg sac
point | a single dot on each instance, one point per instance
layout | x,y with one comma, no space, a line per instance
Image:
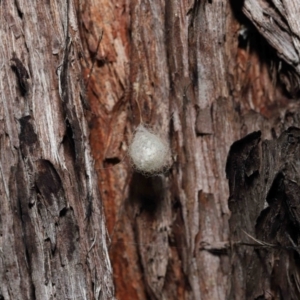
148,152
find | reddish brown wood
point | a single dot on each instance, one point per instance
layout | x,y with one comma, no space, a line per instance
203,77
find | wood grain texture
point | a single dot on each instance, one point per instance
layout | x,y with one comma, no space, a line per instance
167,68
51,248
264,188
183,63
277,22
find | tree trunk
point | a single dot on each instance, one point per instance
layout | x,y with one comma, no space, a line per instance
219,80
51,246
204,76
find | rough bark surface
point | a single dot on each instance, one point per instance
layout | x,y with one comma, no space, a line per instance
170,58
51,246
263,168
204,77
278,22
264,200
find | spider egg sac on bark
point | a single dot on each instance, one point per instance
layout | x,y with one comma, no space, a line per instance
148,152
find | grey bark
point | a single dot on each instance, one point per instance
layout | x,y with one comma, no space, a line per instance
51,246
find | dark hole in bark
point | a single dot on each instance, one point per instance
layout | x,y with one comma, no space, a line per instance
112,161
89,207
68,142
63,212
48,181
31,204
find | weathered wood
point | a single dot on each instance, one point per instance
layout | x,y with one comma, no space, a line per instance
264,201
172,65
263,174
159,225
278,22
51,246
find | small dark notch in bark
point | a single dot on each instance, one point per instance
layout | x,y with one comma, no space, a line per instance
27,135
19,10
194,75
74,135
176,204
31,205
33,291
63,212
48,181
217,251
112,161
21,73
68,142
52,247
89,207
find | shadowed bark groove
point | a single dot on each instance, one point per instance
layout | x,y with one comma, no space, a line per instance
264,179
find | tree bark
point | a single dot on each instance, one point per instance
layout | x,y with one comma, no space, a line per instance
51,246
219,80
205,74
172,59
263,170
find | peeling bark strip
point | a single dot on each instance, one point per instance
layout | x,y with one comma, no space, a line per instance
278,22
48,249
264,202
